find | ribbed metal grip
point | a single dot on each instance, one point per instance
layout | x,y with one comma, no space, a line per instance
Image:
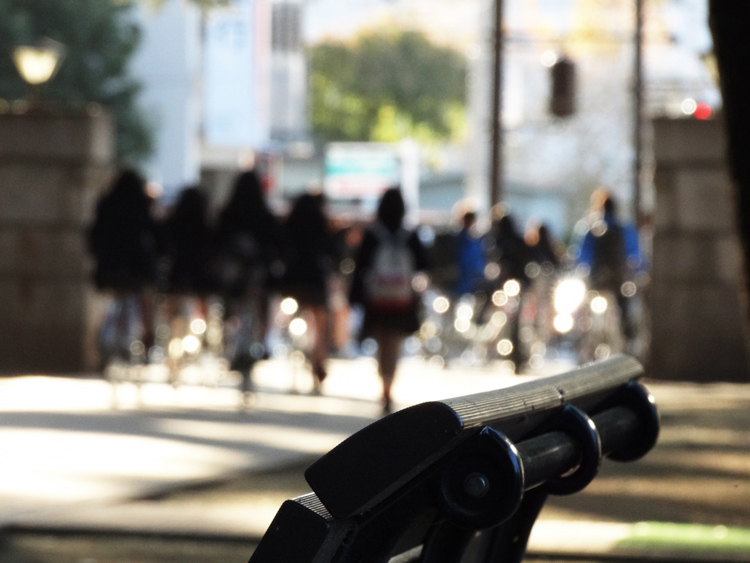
373,463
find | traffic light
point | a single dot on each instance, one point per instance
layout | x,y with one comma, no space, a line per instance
563,77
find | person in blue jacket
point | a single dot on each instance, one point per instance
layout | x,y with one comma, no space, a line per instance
611,253
471,258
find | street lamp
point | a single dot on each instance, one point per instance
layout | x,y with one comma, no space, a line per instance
638,113
38,62
496,158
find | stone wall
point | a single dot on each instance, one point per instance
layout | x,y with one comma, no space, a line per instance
697,308
52,168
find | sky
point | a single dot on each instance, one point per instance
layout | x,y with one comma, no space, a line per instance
447,21
686,19
677,30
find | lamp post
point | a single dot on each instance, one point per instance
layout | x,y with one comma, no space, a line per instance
76,149
496,158
37,63
638,113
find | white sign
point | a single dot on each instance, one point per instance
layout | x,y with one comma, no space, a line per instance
361,170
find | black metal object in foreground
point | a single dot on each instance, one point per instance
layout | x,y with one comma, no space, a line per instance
463,480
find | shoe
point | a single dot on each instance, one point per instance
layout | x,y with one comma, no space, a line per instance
319,373
246,401
242,362
387,406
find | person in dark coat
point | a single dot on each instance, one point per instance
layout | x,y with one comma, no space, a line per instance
546,262
187,238
248,239
123,237
311,253
186,243
542,249
388,323
512,251
513,256
247,249
123,241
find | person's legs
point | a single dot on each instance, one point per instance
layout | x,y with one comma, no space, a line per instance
626,324
112,337
261,299
147,306
389,348
320,347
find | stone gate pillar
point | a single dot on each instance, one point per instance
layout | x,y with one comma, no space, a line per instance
52,166
697,308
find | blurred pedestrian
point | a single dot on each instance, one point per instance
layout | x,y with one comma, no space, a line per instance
310,256
543,269
542,248
513,256
187,239
611,254
124,243
511,249
187,280
247,252
247,241
470,257
387,260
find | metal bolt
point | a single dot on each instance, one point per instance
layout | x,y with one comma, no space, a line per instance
476,485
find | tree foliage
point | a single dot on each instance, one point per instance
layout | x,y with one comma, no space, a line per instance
100,38
159,4
385,87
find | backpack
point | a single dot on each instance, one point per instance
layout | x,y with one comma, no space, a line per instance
388,281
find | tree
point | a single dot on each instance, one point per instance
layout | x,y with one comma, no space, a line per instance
100,39
159,4
386,86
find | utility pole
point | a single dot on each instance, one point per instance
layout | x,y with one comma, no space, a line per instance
638,112
496,171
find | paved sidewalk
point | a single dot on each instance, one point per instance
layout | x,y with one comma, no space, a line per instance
76,446
73,463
